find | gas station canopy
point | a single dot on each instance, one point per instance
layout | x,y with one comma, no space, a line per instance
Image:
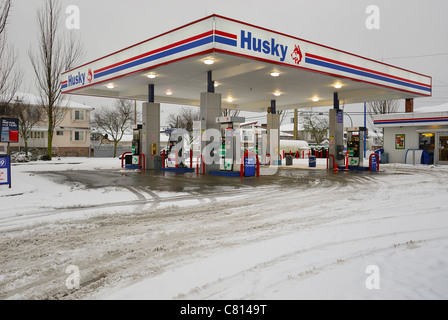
250,66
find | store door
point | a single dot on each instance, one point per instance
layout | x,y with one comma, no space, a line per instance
443,148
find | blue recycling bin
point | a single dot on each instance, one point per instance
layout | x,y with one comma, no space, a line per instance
380,153
249,166
312,161
427,158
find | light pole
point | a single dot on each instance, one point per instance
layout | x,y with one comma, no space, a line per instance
351,120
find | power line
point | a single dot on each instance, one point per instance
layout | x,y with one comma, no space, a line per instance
420,56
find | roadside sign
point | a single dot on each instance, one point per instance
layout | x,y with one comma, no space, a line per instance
9,131
5,170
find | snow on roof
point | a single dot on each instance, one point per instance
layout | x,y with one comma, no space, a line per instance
439,108
290,127
34,100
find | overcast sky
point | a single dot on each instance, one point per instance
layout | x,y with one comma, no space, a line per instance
412,34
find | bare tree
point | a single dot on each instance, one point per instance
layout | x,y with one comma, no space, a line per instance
184,120
28,116
283,115
10,75
316,124
229,112
57,52
381,107
115,120
5,6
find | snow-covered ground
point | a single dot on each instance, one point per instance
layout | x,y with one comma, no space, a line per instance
303,234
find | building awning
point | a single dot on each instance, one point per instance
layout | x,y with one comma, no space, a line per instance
411,119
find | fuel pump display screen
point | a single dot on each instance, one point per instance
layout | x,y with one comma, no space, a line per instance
353,148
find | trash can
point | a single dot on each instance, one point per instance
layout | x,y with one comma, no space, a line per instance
128,159
157,163
312,161
288,160
249,166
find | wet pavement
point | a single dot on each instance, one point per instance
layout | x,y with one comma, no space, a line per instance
182,182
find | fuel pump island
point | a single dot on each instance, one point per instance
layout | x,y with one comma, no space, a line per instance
240,150
236,151
220,63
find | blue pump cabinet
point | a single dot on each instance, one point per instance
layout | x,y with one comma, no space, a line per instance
249,166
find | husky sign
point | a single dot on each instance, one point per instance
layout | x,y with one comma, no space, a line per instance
9,130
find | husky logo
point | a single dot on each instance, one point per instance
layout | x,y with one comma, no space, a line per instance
89,76
80,78
296,54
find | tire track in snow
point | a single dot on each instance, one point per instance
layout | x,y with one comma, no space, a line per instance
313,266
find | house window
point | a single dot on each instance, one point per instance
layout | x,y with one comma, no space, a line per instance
60,114
59,133
79,136
79,115
37,135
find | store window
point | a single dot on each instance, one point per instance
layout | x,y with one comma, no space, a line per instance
443,148
427,143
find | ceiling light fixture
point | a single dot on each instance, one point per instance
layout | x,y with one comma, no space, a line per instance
315,99
209,61
277,93
275,74
229,99
216,84
151,76
338,86
110,86
169,92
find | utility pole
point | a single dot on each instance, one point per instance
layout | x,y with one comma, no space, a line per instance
295,124
135,112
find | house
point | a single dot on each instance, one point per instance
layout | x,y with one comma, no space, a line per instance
71,134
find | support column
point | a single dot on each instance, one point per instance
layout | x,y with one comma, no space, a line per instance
273,129
210,109
336,129
151,134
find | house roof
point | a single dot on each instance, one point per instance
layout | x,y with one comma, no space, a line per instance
31,99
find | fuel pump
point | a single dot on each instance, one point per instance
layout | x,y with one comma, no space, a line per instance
355,145
133,159
136,140
176,150
230,142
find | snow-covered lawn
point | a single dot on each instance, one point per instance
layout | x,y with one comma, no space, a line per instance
304,234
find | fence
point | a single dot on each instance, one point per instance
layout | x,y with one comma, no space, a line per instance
107,151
